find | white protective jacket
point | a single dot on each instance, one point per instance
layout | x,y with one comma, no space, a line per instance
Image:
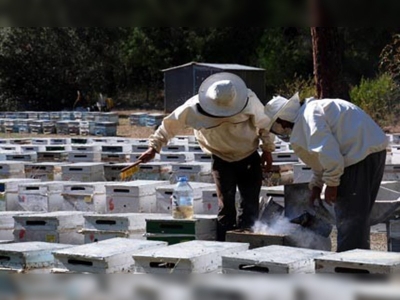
231,138
331,134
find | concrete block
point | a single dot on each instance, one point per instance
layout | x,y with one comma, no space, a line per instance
195,257
272,260
105,257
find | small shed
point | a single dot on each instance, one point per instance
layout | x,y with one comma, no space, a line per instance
183,82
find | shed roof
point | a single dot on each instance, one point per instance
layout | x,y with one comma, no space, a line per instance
217,66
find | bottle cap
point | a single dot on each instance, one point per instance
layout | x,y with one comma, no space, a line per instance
182,179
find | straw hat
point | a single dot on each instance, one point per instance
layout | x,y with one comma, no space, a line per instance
280,107
223,95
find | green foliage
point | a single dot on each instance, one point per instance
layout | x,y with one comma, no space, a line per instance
305,87
390,58
378,97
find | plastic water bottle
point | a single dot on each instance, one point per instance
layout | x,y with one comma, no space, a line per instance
182,200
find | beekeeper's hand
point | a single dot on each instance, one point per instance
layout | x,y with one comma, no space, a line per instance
330,195
315,194
148,155
266,161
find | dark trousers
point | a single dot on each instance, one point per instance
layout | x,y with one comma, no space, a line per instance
246,175
359,186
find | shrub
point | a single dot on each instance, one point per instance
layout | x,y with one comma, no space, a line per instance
378,97
306,87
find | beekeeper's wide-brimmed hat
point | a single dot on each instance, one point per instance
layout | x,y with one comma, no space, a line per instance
223,95
285,109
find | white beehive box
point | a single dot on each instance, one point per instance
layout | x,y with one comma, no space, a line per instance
138,119
79,157
276,192
55,227
53,148
87,197
10,147
185,139
7,224
193,171
9,193
180,157
164,193
139,148
40,196
197,257
12,169
105,257
112,171
154,171
144,142
285,156
52,156
99,227
133,196
272,260
44,171
60,141
359,261
23,156
175,148
32,148
195,148
210,200
112,157
393,235
107,117
116,148
99,140
86,148
302,173
202,157
85,172
31,257
392,172
40,141
135,155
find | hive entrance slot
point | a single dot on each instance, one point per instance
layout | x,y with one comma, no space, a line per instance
106,222
253,268
80,262
36,223
162,265
351,271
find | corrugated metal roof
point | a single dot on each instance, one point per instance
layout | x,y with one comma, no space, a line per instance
217,66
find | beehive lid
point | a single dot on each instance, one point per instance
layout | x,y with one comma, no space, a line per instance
107,248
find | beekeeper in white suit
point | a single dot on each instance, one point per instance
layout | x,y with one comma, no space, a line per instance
229,123
346,150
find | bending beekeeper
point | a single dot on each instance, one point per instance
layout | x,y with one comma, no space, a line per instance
229,123
346,150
